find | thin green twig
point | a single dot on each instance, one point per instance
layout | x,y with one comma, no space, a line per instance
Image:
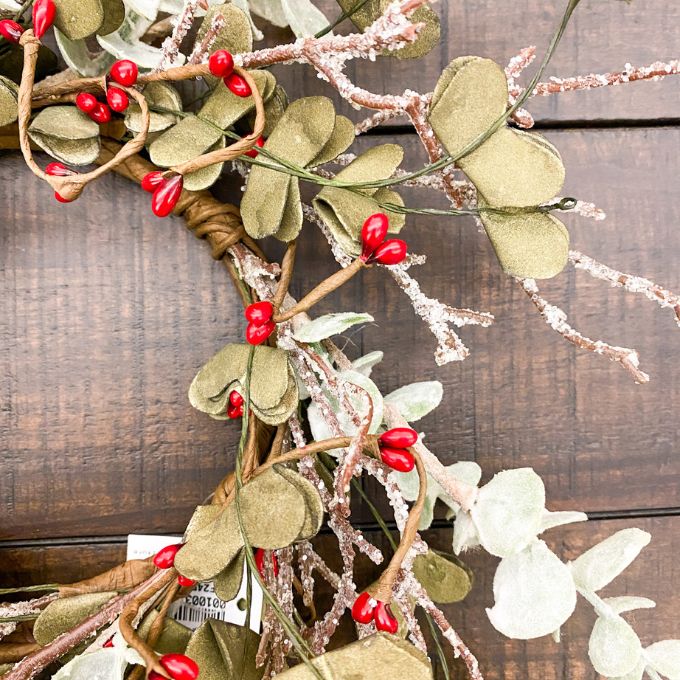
345,15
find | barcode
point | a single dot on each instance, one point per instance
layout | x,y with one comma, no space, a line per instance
192,617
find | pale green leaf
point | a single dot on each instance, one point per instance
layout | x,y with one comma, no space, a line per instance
328,325
628,603
365,364
557,519
108,663
303,17
664,658
614,648
416,400
79,58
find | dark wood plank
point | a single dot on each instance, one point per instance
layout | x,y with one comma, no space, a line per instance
603,36
653,575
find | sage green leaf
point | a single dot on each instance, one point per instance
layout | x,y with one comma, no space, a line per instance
529,245
341,139
509,510
344,211
416,400
67,134
224,650
534,593
445,580
314,509
274,108
65,613
145,56
205,177
77,19
8,101
12,62
183,142
276,523
614,648
203,515
161,95
109,663
114,15
211,548
628,603
79,58
664,658
292,217
173,638
328,325
376,656
605,561
284,409
228,581
269,378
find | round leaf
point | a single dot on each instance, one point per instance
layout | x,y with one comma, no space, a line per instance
444,580
664,658
67,134
416,400
614,648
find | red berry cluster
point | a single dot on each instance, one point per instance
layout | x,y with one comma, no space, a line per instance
260,324
166,191
374,246
124,72
165,558
394,446
366,609
10,30
44,12
259,562
235,406
57,169
221,65
178,667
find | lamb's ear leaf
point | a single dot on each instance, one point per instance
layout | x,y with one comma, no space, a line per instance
416,400
78,19
614,648
67,134
326,326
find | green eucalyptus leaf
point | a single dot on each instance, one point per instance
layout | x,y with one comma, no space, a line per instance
274,108
67,134
445,580
205,177
416,400
614,648
664,658
328,325
173,638
377,656
340,140
183,142
285,407
292,217
79,58
77,19
65,613
202,517
12,62
161,95
314,510
270,377
8,101
228,581
114,15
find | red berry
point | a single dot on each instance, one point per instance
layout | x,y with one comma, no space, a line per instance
259,142
385,619
180,667
61,199
221,63
165,557
166,195
124,72
86,102
108,643
398,438
259,312
185,582
373,233
257,334
235,412
259,562
56,169
235,398
400,460
363,607
10,30
117,99
392,251
238,85
100,114
43,16
152,180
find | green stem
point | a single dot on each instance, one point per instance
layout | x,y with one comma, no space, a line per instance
440,650
18,617
345,15
30,589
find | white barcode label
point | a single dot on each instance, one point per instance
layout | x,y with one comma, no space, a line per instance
201,603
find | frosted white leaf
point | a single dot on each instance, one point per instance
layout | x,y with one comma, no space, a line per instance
303,17
146,8
359,400
509,510
317,423
465,471
464,533
664,658
269,10
171,6
103,664
365,364
614,648
627,603
556,519
534,593
145,56
605,561
635,674
416,400
243,5
79,58
330,324
10,5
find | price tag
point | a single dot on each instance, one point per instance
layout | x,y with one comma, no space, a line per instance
201,603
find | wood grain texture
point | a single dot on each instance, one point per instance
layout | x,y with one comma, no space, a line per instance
602,36
651,575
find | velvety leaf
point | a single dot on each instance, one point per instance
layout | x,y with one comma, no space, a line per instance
114,15
228,582
557,519
284,408
65,613
443,578
509,510
145,56
173,638
465,534
79,58
416,400
161,95
291,218
274,108
67,134
365,364
628,603
303,17
360,402
664,658
270,377
205,177
77,19
605,561
270,10
12,62
314,510
377,656
328,325
8,101
183,142
534,593
202,517
635,674
340,140
108,663
614,648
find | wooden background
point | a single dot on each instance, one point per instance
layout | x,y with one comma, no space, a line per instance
107,312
